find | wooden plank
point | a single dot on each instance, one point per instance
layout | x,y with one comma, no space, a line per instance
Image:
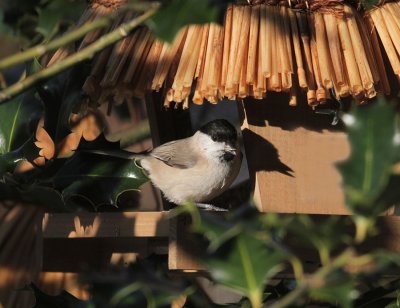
83,254
105,225
292,152
183,249
182,246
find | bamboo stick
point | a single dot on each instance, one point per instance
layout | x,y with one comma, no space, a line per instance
120,53
243,86
349,57
361,59
228,25
139,81
168,54
197,97
286,54
297,50
136,56
151,62
274,82
155,85
365,37
321,91
308,66
266,34
323,51
187,55
386,40
258,87
336,54
202,52
392,24
293,96
234,45
190,72
242,45
384,82
216,60
207,61
253,43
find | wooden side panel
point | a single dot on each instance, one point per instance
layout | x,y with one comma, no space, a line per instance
182,248
106,225
292,153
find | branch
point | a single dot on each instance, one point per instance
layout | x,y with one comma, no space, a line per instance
316,278
83,55
40,50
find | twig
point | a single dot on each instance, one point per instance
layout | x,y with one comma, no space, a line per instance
40,50
85,54
316,278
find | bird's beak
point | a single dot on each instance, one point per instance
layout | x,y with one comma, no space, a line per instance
230,150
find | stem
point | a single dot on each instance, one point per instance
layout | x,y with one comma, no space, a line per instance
363,225
297,268
317,277
324,255
40,50
85,54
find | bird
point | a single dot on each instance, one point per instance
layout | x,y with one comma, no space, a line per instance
198,168
194,169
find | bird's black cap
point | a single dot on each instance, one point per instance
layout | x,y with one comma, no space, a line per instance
220,130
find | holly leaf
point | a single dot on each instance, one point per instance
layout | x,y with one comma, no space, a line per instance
60,96
18,121
337,291
175,14
36,194
371,132
56,14
245,264
98,178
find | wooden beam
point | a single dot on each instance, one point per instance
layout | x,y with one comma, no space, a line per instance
105,225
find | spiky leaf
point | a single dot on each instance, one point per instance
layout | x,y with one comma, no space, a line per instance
98,178
371,132
245,264
18,120
175,14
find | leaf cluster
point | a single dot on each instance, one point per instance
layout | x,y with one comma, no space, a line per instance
45,136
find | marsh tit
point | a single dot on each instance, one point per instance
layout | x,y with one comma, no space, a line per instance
197,168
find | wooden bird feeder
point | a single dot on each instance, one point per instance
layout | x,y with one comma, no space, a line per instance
279,62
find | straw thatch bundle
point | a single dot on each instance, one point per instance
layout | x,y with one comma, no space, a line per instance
308,47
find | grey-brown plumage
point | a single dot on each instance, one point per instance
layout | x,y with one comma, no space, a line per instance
197,168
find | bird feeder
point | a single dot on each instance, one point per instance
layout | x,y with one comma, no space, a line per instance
281,62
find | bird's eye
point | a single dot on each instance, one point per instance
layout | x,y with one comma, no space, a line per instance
214,138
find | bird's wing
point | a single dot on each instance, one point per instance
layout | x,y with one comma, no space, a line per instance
176,153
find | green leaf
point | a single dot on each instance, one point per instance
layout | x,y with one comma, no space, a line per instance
245,264
18,120
175,14
56,13
370,4
338,292
36,194
98,178
325,236
371,132
146,283
4,28
28,151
